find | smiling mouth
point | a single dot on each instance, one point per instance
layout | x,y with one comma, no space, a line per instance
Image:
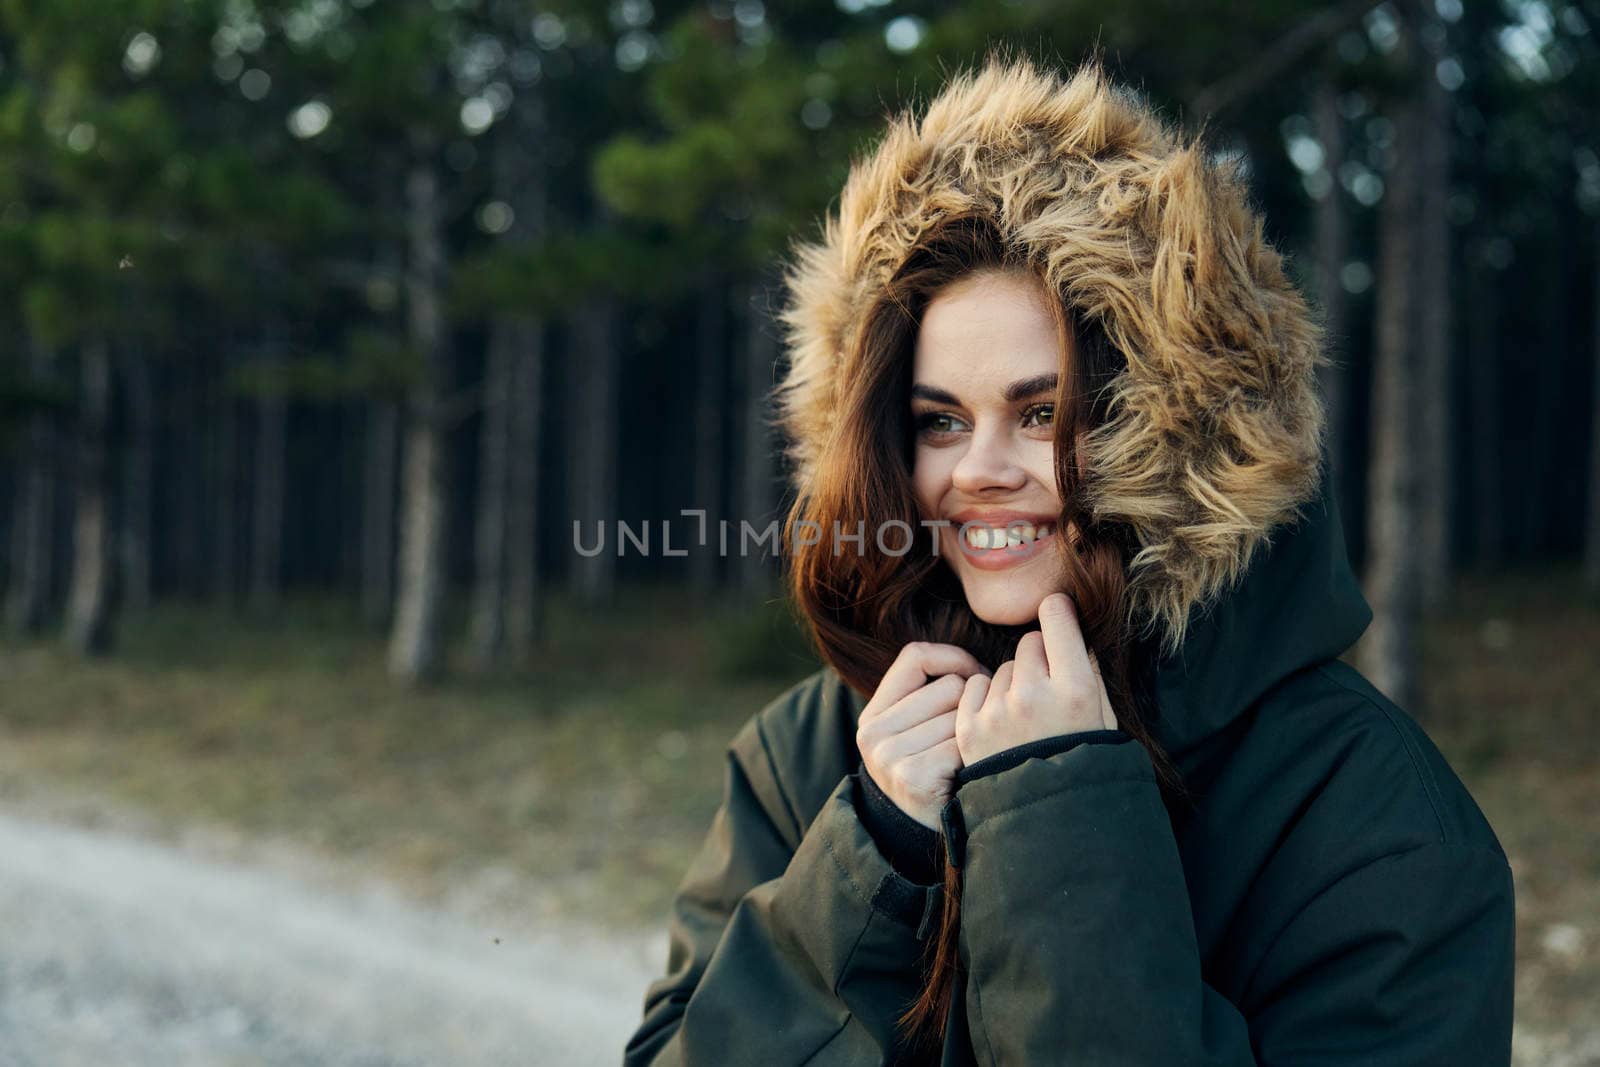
991,548
1001,538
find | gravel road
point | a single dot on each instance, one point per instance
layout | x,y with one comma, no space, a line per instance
122,951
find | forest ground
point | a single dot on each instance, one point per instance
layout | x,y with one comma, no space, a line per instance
555,808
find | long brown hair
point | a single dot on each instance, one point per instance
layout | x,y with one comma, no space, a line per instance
863,607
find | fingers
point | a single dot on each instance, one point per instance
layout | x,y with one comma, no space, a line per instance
1063,640
1108,717
946,755
980,704
911,669
937,697
1000,686
973,698
973,695
1031,665
919,738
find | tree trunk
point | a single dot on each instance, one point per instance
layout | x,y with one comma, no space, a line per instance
486,641
1543,460
1387,652
88,622
414,643
266,556
1487,448
33,525
1435,363
524,602
382,462
505,597
710,364
138,478
757,503
1333,240
1591,547
593,483
188,477
414,649
525,594
224,582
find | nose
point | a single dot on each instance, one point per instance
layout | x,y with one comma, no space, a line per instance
990,462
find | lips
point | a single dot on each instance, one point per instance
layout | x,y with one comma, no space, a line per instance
994,540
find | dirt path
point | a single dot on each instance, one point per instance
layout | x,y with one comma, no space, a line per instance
118,950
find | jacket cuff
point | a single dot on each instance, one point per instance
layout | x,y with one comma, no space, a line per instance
840,834
1041,749
911,848
1112,759
1072,869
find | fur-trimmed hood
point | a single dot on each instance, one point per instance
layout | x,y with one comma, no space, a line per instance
1215,436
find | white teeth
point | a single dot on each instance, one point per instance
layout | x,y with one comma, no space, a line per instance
1007,536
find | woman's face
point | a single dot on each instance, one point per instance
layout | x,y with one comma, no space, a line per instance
982,403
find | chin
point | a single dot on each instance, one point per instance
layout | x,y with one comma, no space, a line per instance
1008,595
1004,601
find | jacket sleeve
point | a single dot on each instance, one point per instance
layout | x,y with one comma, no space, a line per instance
1080,946
785,940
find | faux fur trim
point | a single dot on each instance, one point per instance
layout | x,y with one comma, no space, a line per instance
1216,427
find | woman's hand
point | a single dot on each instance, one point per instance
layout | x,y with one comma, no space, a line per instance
1053,687
907,731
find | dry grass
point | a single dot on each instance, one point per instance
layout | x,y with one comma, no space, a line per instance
580,786
1513,682
573,788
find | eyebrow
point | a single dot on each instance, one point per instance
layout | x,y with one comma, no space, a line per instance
1020,389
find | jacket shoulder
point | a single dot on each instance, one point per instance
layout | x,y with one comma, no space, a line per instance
797,748
1378,772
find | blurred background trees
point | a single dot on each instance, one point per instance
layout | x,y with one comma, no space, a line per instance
379,299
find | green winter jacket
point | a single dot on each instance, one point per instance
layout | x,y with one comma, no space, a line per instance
1334,896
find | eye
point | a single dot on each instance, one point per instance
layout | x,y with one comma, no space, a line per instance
937,425
1039,415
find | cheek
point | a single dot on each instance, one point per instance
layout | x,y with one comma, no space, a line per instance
1039,459
930,477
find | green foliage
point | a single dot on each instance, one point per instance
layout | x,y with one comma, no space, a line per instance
551,276
373,363
307,377
730,139
380,363
670,181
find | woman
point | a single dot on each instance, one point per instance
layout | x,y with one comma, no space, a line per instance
1083,780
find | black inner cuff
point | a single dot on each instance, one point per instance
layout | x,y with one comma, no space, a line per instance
911,848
